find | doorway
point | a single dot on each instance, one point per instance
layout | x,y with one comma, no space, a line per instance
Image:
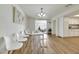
41,25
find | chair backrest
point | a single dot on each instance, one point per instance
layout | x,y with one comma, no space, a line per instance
18,36
2,45
13,37
10,40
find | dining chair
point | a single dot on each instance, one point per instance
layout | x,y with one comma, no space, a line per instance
2,46
11,43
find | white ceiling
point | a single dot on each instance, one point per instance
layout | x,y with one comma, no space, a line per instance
73,14
51,10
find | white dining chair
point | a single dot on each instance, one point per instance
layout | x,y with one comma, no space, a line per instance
11,43
24,40
3,49
20,38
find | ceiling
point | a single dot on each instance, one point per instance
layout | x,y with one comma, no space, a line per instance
73,14
51,10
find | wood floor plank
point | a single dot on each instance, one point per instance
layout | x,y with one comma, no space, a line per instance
52,45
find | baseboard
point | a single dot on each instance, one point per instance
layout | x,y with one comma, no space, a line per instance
71,37
66,37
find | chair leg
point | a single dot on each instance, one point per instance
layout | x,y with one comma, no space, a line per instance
9,52
13,51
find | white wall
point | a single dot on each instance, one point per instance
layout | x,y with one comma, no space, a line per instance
58,26
30,24
70,32
7,27
48,24
53,26
61,26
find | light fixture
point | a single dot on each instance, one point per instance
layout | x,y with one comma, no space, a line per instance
41,14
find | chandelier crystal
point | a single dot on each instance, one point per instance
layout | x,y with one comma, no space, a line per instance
41,14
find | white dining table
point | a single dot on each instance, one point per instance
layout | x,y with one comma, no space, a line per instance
21,38
39,40
38,34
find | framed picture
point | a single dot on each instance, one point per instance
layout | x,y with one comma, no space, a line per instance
17,16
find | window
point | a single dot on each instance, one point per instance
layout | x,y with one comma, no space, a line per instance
42,24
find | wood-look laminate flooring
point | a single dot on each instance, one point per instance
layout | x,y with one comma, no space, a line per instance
52,45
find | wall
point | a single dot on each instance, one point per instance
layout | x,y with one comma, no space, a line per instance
61,27
7,27
53,26
48,24
58,26
30,25
69,32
